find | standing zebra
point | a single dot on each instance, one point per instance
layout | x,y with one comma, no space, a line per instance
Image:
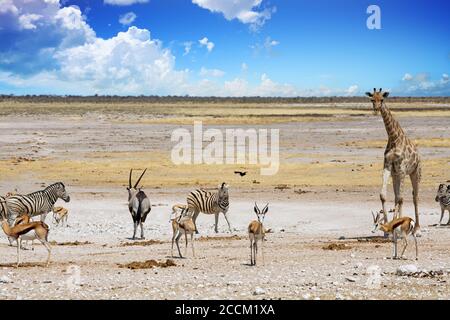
36,203
209,203
443,197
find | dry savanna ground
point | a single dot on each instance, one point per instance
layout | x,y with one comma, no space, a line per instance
320,245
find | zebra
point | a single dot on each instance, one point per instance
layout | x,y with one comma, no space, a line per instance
443,197
37,203
138,204
209,203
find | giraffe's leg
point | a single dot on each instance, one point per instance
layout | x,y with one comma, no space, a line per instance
386,175
417,249
398,180
415,181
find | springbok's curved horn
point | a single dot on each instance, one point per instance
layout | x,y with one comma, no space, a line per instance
256,209
265,207
139,180
373,216
381,89
374,90
129,179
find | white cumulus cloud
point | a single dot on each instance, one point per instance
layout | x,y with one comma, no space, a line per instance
407,77
129,63
127,18
206,43
246,11
187,47
211,72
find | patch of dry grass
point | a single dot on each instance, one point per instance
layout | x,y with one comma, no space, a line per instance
381,144
148,264
141,243
111,169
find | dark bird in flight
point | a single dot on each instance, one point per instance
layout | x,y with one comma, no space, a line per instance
241,173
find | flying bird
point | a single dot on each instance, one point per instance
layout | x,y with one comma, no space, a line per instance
241,173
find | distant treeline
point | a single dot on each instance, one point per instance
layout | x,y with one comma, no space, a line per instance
189,99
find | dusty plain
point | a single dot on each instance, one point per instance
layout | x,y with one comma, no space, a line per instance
320,245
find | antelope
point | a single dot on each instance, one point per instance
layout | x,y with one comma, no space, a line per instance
36,230
183,224
443,197
138,204
257,232
60,214
176,210
20,220
403,226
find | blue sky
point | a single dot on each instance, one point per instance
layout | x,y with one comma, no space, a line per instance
223,48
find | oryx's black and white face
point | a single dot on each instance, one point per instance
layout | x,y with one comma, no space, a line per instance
377,220
61,192
133,190
377,98
441,191
261,213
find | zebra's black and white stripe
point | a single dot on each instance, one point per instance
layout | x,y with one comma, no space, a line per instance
36,203
209,203
443,197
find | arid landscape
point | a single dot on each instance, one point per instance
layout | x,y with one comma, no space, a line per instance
320,244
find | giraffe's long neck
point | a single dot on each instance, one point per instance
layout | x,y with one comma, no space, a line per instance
393,128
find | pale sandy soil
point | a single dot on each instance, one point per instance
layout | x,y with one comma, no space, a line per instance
336,162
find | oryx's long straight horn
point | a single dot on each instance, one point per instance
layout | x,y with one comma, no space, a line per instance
373,216
139,180
129,179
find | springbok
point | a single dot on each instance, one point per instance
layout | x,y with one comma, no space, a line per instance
403,226
60,214
183,224
36,230
257,232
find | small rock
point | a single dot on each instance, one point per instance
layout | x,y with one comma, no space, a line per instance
351,279
406,269
5,279
259,291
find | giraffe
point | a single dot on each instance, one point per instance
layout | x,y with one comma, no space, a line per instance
401,158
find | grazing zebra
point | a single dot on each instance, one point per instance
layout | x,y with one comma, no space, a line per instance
138,204
443,197
36,203
209,203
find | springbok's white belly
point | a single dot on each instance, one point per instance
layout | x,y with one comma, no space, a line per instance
29,236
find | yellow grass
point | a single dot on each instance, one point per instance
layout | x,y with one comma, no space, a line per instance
111,169
381,144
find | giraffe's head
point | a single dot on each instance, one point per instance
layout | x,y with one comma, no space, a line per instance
377,98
